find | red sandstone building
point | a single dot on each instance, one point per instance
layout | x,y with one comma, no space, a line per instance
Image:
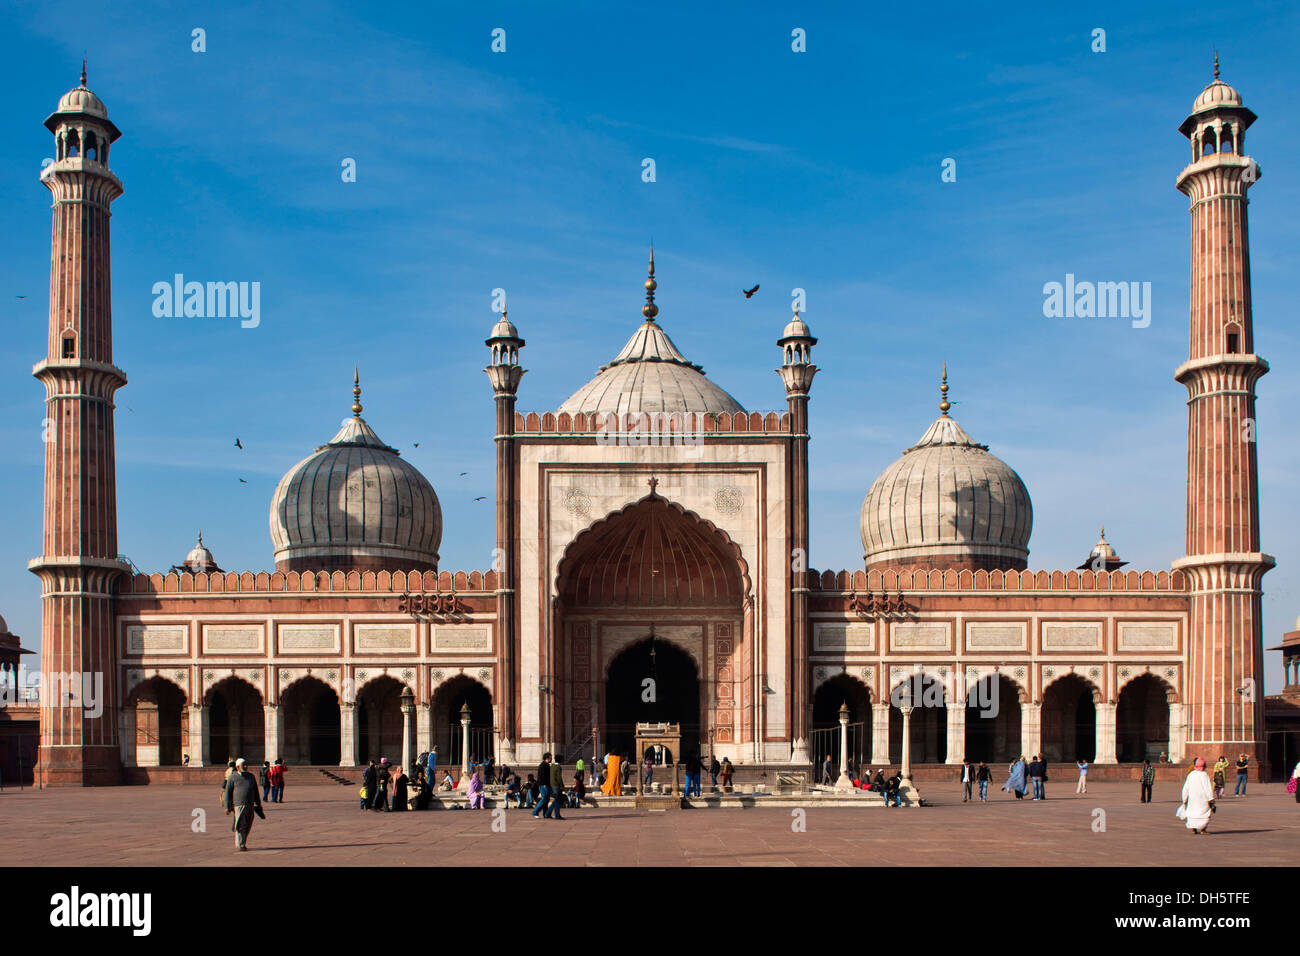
650,528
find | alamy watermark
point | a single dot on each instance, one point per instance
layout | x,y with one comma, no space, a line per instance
1100,300
211,300
84,690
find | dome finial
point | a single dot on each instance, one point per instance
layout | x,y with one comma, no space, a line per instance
943,391
356,393
200,537
650,310
1216,64
83,72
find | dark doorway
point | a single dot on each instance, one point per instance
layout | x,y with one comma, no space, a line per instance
1142,720
448,734
825,739
673,697
236,722
311,724
993,721
379,720
1069,720
159,722
929,737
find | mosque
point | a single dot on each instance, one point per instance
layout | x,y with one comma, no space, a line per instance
651,563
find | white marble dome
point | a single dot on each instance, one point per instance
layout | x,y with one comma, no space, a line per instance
1217,94
82,100
355,503
946,499
650,375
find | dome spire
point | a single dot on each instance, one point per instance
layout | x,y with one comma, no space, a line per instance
356,393
83,73
944,405
1216,64
650,310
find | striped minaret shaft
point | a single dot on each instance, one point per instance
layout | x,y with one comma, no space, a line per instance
1225,679
79,560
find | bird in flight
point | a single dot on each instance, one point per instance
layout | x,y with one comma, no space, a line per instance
480,499
20,297
237,444
417,444
463,474
749,293
242,481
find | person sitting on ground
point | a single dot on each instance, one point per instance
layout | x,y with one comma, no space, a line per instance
447,782
892,791
878,781
578,792
514,791
530,791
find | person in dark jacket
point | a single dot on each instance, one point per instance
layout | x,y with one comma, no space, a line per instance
892,791
543,785
369,780
982,776
878,782
967,777
264,780
1148,779
1036,777
383,778
242,801
715,768
693,771
557,791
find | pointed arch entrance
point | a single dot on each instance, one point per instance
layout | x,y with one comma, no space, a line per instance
161,722
448,733
1070,719
236,721
651,568
311,723
1142,719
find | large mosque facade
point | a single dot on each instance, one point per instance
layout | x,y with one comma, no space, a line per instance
651,564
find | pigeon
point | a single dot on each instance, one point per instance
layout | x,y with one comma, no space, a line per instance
238,445
463,474
480,499
749,294
242,481
20,297
417,444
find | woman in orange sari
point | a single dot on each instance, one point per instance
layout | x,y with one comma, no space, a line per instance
613,785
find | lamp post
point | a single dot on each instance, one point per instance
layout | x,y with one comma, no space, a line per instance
906,792
464,747
408,718
844,783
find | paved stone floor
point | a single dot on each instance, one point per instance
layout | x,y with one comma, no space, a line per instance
320,825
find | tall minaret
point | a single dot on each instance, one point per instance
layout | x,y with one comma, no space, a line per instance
797,373
1225,652
505,373
79,560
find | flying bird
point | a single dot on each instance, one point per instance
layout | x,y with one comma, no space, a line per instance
463,474
417,444
481,498
749,293
242,481
20,297
237,444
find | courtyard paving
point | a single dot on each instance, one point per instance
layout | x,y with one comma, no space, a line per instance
321,825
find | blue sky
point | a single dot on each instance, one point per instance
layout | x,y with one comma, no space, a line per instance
522,170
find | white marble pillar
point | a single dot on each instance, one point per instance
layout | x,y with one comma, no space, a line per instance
272,732
1177,733
423,728
906,791
464,752
348,736
408,735
198,746
956,732
1031,730
880,735
1106,734
844,783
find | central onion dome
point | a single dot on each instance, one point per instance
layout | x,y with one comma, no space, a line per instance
650,375
947,503
355,504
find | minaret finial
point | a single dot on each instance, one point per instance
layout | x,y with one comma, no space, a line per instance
1216,64
200,537
356,393
83,72
943,391
650,310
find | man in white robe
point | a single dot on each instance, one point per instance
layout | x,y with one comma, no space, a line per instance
1198,798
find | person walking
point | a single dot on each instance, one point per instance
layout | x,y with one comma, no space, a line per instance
982,776
647,772
1082,786
557,790
826,770
369,777
230,768
715,768
1220,776
263,778
242,801
276,776
1198,798
693,773
967,779
543,785
1148,779
1036,777
1016,781
727,771
1243,771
